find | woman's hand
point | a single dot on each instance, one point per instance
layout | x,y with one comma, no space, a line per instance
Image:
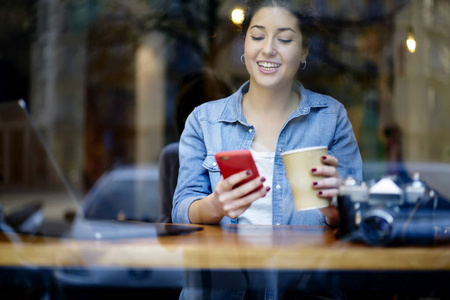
226,200
234,201
328,187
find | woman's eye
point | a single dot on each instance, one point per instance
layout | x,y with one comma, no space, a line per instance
257,38
285,41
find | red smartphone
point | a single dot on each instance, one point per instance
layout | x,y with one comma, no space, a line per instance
232,162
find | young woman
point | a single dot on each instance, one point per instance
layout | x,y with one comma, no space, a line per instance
269,114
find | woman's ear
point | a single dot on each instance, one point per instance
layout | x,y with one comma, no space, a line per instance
305,53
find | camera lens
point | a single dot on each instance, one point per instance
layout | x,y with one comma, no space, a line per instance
377,227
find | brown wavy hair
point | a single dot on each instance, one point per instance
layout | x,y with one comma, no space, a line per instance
306,17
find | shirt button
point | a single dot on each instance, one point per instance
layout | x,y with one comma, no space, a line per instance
278,187
278,223
250,130
214,164
281,150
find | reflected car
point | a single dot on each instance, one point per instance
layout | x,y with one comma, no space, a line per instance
124,193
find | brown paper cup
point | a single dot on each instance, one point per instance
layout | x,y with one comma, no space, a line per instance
298,164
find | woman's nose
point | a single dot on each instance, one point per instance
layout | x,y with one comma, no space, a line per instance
269,48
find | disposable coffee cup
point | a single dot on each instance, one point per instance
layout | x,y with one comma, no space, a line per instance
298,164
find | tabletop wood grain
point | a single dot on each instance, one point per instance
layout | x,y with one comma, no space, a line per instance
224,247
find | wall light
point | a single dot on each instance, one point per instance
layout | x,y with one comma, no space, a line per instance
237,16
411,41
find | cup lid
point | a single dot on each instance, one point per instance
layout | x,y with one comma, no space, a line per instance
304,149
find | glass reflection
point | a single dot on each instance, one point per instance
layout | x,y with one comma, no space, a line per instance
106,83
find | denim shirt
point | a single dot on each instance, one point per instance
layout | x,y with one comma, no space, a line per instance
220,125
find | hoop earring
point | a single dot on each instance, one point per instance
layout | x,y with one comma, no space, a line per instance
303,65
243,58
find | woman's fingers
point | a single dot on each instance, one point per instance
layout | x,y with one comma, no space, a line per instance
225,186
326,171
328,182
234,201
329,160
245,199
327,186
246,188
235,208
329,167
328,193
230,182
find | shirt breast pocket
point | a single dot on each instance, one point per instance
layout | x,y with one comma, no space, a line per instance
211,166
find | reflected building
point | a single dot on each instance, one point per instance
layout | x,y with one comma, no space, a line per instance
354,64
105,75
421,95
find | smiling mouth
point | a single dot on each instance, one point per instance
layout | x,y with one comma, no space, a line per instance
268,66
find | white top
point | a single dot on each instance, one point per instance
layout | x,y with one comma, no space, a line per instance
260,212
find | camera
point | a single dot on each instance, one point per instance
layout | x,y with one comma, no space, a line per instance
392,213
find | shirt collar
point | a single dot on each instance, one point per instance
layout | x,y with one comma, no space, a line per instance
308,100
232,110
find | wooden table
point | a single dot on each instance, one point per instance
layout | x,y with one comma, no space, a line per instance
289,251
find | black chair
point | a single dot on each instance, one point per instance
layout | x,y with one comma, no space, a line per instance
168,175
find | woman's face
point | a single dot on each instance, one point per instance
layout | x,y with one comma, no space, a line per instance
273,48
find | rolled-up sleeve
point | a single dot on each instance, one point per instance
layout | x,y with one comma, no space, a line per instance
345,147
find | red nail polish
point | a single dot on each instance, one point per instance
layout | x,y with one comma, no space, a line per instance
249,172
320,193
263,179
267,188
314,183
324,157
313,170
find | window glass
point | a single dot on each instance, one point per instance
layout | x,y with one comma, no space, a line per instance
91,92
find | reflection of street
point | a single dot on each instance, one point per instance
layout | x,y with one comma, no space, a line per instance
55,203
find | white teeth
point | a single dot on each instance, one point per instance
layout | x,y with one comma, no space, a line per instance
268,65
